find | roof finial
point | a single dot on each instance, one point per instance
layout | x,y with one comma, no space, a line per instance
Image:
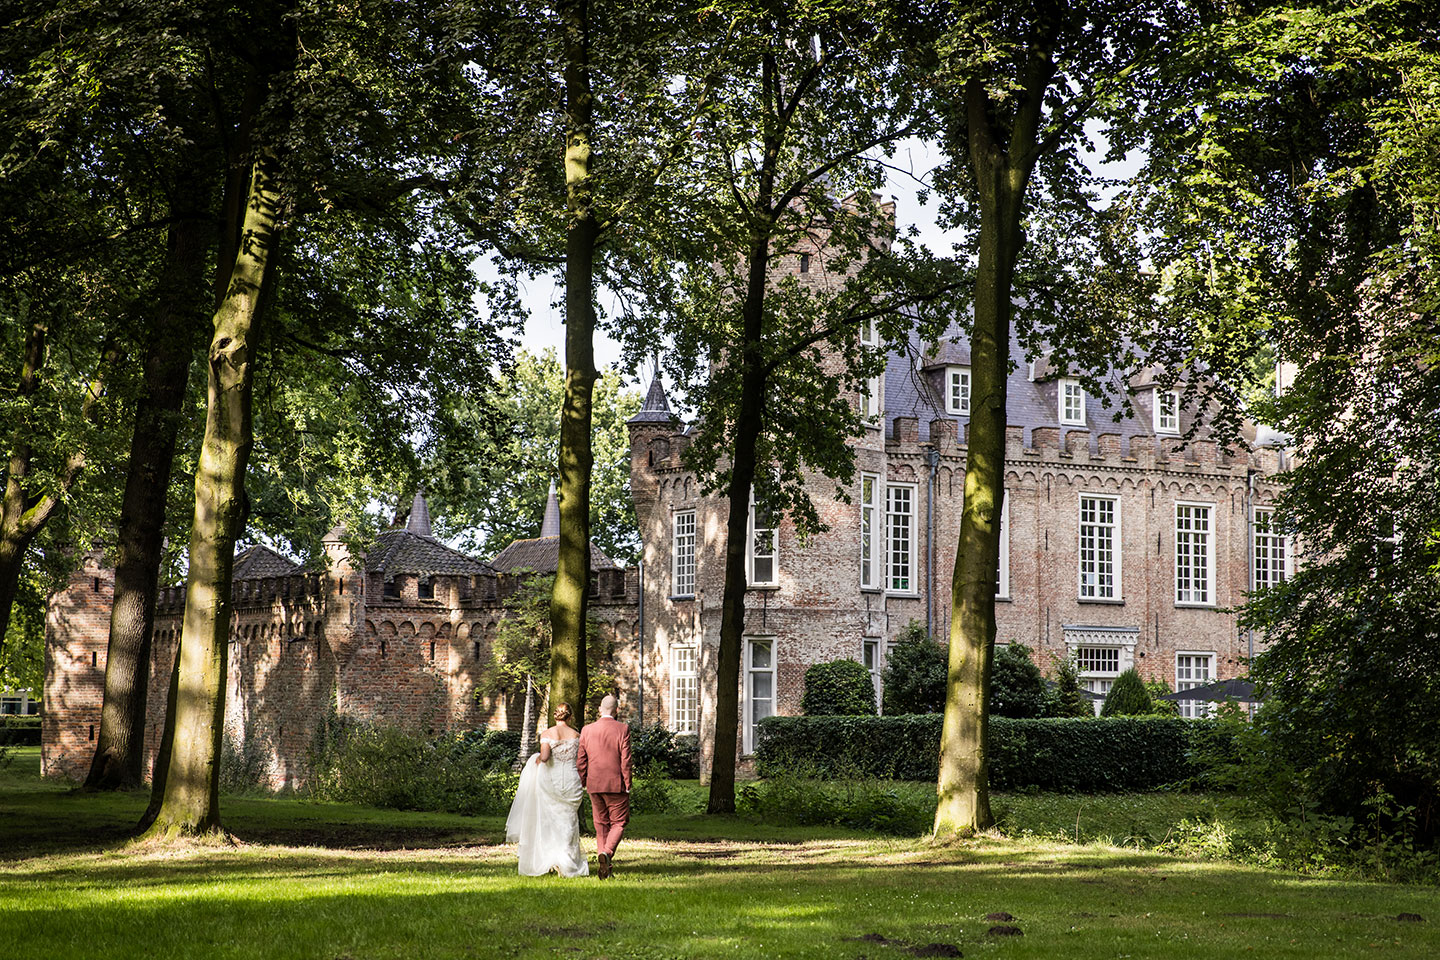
550,526
419,520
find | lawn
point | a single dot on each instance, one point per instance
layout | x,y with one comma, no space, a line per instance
330,881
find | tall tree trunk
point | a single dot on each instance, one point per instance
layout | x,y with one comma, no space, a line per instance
1002,173
161,769
23,514
120,746
748,423
190,802
569,599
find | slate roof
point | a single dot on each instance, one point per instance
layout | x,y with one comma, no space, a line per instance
550,525
542,555
912,392
656,408
257,562
403,551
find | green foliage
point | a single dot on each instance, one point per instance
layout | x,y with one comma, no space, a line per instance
915,672
652,789
838,688
497,495
1069,700
383,766
19,731
1159,707
861,803
1127,697
1016,687
656,745
1120,753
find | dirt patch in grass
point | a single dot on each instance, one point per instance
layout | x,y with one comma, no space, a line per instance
915,950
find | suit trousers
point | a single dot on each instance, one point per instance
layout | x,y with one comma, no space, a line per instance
611,812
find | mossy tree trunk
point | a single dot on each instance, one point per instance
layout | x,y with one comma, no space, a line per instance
1002,173
120,744
569,675
190,792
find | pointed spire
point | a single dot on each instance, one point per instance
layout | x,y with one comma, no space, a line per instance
419,521
656,408
550,526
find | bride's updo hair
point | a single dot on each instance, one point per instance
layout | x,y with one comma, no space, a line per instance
562,712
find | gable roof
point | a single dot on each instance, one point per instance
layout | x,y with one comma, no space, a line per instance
542,555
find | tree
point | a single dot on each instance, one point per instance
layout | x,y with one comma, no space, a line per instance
1127,697
496,495
1017,85
1312,132
914,677
807,98
1016,687
1070,701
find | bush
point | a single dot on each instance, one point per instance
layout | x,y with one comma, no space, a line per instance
1120,753
677,753
18,731
1067,700
1127,697
651,789
915,672
1016,687
840,688
861,803
384,766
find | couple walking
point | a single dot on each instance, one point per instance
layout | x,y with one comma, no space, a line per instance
543,819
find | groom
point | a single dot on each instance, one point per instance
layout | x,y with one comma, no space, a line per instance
604,764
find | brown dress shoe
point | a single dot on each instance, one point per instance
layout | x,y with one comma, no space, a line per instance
604,860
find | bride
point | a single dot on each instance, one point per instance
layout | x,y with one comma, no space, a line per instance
544,818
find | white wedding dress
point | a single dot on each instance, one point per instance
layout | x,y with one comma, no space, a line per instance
544,819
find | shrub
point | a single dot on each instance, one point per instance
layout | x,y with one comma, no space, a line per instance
860,803
1127,697
915,671
20,731
677,753
1067,698
651,790
1016,687
840,688
1120,753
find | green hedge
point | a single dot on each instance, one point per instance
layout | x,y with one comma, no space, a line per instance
19,731
1062,754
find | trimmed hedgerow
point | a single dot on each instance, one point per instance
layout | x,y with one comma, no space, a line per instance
838,688
1121,753
20,731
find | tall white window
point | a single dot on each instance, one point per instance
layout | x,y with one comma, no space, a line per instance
870,656
1193,670
1072,402
1270,551
900,538
759,687
683,554
872,551
871,402
764,549
1099,553
685,691
1002,584
1098,667
1194,555
869,333
1167,411
957,390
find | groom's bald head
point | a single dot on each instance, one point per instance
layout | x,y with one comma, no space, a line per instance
607,706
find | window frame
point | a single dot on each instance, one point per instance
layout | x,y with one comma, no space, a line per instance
677,675
1272,541
1210,580
751,555
872,534
869,333
957,401
1065,385
1002,585
1158,413
1091,678
675,554
748,698
873,649
912,586
1116,594
872,398
1195,709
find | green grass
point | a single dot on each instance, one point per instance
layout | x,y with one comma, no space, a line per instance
331,881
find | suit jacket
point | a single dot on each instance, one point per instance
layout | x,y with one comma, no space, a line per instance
603,759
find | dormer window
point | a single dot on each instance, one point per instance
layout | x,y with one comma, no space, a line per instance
957,391
1167,411
392,589
1072,403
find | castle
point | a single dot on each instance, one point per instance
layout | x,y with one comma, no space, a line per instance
1120,547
